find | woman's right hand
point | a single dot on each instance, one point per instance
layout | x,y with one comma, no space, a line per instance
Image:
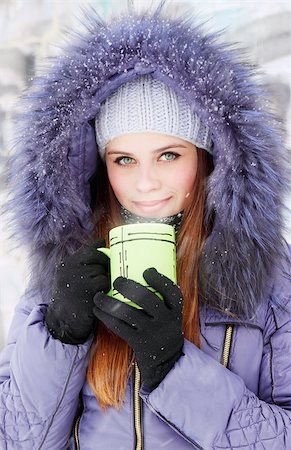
77,279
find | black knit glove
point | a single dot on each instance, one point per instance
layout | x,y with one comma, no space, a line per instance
154,332
69,316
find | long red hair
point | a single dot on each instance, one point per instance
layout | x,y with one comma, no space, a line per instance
112,359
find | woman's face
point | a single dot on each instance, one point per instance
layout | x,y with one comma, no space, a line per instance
151,174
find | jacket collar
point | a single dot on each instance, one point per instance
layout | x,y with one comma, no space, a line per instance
210,316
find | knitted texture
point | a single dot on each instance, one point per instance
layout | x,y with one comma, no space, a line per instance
55,153
147,105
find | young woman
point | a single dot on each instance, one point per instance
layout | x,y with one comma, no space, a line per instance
147,118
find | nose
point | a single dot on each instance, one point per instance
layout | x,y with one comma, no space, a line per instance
148,179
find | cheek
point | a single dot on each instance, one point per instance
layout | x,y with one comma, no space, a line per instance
118,181
185,188
188,176
189,180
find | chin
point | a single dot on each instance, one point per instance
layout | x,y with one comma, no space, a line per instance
156,215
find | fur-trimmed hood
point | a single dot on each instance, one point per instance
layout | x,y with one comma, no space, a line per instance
56,154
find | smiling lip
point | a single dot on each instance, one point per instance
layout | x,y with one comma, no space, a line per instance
152,205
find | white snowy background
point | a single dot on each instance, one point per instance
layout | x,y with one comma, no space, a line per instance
31,30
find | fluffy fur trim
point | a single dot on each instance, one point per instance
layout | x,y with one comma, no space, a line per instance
56,156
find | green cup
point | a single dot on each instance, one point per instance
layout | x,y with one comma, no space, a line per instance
136,247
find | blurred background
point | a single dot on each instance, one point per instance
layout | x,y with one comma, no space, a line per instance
32,29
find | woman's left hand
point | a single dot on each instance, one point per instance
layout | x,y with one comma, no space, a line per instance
154,332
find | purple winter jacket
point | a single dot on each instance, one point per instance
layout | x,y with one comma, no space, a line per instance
199,405
244,268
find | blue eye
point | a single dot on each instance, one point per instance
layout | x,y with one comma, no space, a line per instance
124,160
169,156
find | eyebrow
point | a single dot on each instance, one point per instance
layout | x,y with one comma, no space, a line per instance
166,147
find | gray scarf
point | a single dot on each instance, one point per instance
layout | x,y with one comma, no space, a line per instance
129,217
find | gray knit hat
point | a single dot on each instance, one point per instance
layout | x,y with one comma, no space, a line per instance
148,105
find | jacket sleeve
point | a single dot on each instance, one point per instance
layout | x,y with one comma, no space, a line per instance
40,381
216,409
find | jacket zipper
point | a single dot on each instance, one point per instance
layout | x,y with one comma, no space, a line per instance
136,398
76,434
137,409
224,361
227,345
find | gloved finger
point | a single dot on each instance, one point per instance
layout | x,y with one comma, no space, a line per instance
120,310
89,255
102,259
117,326
140,295
80,274
97,267
100,283
170,292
